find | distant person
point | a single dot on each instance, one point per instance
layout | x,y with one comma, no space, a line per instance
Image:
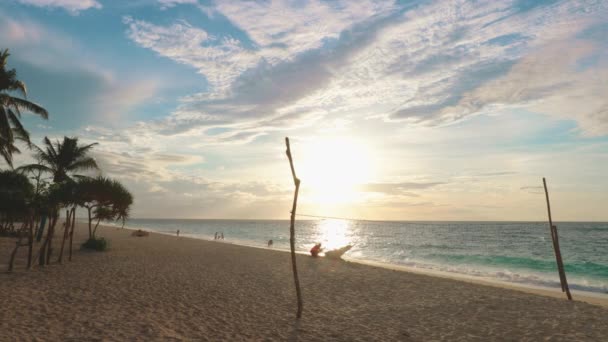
215,237
316,249
222,235
270,243
177,232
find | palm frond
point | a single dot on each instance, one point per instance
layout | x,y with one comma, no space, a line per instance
86,163
34,167
6,155
49,147
84,149
18,128
21,104
5,128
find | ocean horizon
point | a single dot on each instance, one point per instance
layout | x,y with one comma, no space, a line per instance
517,252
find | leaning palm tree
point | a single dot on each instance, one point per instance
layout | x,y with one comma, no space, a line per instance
63,159
11,129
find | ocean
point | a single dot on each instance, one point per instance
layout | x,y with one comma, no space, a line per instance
514,252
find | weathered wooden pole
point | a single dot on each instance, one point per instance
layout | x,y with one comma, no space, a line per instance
292,238
558,255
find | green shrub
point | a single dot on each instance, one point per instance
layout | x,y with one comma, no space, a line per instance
98,244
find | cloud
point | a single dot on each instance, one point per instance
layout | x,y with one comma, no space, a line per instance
426,63
72,6
252,80
397,188
165,4
533,189
74,88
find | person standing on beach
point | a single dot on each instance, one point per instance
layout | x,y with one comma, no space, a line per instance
270,242
215,237
222,235
177,232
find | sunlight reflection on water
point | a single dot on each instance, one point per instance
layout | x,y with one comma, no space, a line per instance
333,234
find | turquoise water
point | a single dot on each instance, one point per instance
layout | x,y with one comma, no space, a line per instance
518,252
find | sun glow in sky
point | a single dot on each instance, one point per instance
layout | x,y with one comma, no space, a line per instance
404,110
333,168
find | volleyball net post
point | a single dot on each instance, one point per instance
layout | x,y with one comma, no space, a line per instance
558,255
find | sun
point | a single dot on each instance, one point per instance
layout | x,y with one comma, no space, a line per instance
333,168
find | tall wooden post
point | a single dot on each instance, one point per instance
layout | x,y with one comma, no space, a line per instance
558,255
292,238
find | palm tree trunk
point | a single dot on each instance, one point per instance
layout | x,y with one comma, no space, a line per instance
65,234
90,230
51,234
43,253
40,231
96,225
30,243
72,231
17,245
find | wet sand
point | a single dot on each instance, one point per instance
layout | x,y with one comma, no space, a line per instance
168,288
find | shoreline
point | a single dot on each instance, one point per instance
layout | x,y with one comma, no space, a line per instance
594,298
163,287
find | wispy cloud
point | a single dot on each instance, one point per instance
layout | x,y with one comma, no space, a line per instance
72,6
430,64
165,4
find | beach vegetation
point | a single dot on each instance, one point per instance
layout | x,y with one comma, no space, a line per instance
16,196
32,196
98,244
11,107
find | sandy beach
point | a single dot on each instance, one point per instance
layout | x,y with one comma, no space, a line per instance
168,288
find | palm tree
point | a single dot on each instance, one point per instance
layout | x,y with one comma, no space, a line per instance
63,159
11,128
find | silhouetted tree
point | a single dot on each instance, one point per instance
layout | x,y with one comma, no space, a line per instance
11,129
62,159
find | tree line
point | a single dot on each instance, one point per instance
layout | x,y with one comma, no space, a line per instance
33,196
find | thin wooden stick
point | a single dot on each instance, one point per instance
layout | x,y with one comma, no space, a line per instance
292,239
558,255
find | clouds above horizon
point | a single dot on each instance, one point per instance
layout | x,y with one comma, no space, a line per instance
430,63
457,107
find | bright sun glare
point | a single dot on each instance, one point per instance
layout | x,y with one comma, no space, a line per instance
331,169
333,234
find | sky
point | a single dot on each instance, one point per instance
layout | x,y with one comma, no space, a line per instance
405,110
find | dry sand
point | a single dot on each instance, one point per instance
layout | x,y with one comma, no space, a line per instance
167,288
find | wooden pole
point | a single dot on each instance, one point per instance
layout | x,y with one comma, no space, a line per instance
292,239
558,255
